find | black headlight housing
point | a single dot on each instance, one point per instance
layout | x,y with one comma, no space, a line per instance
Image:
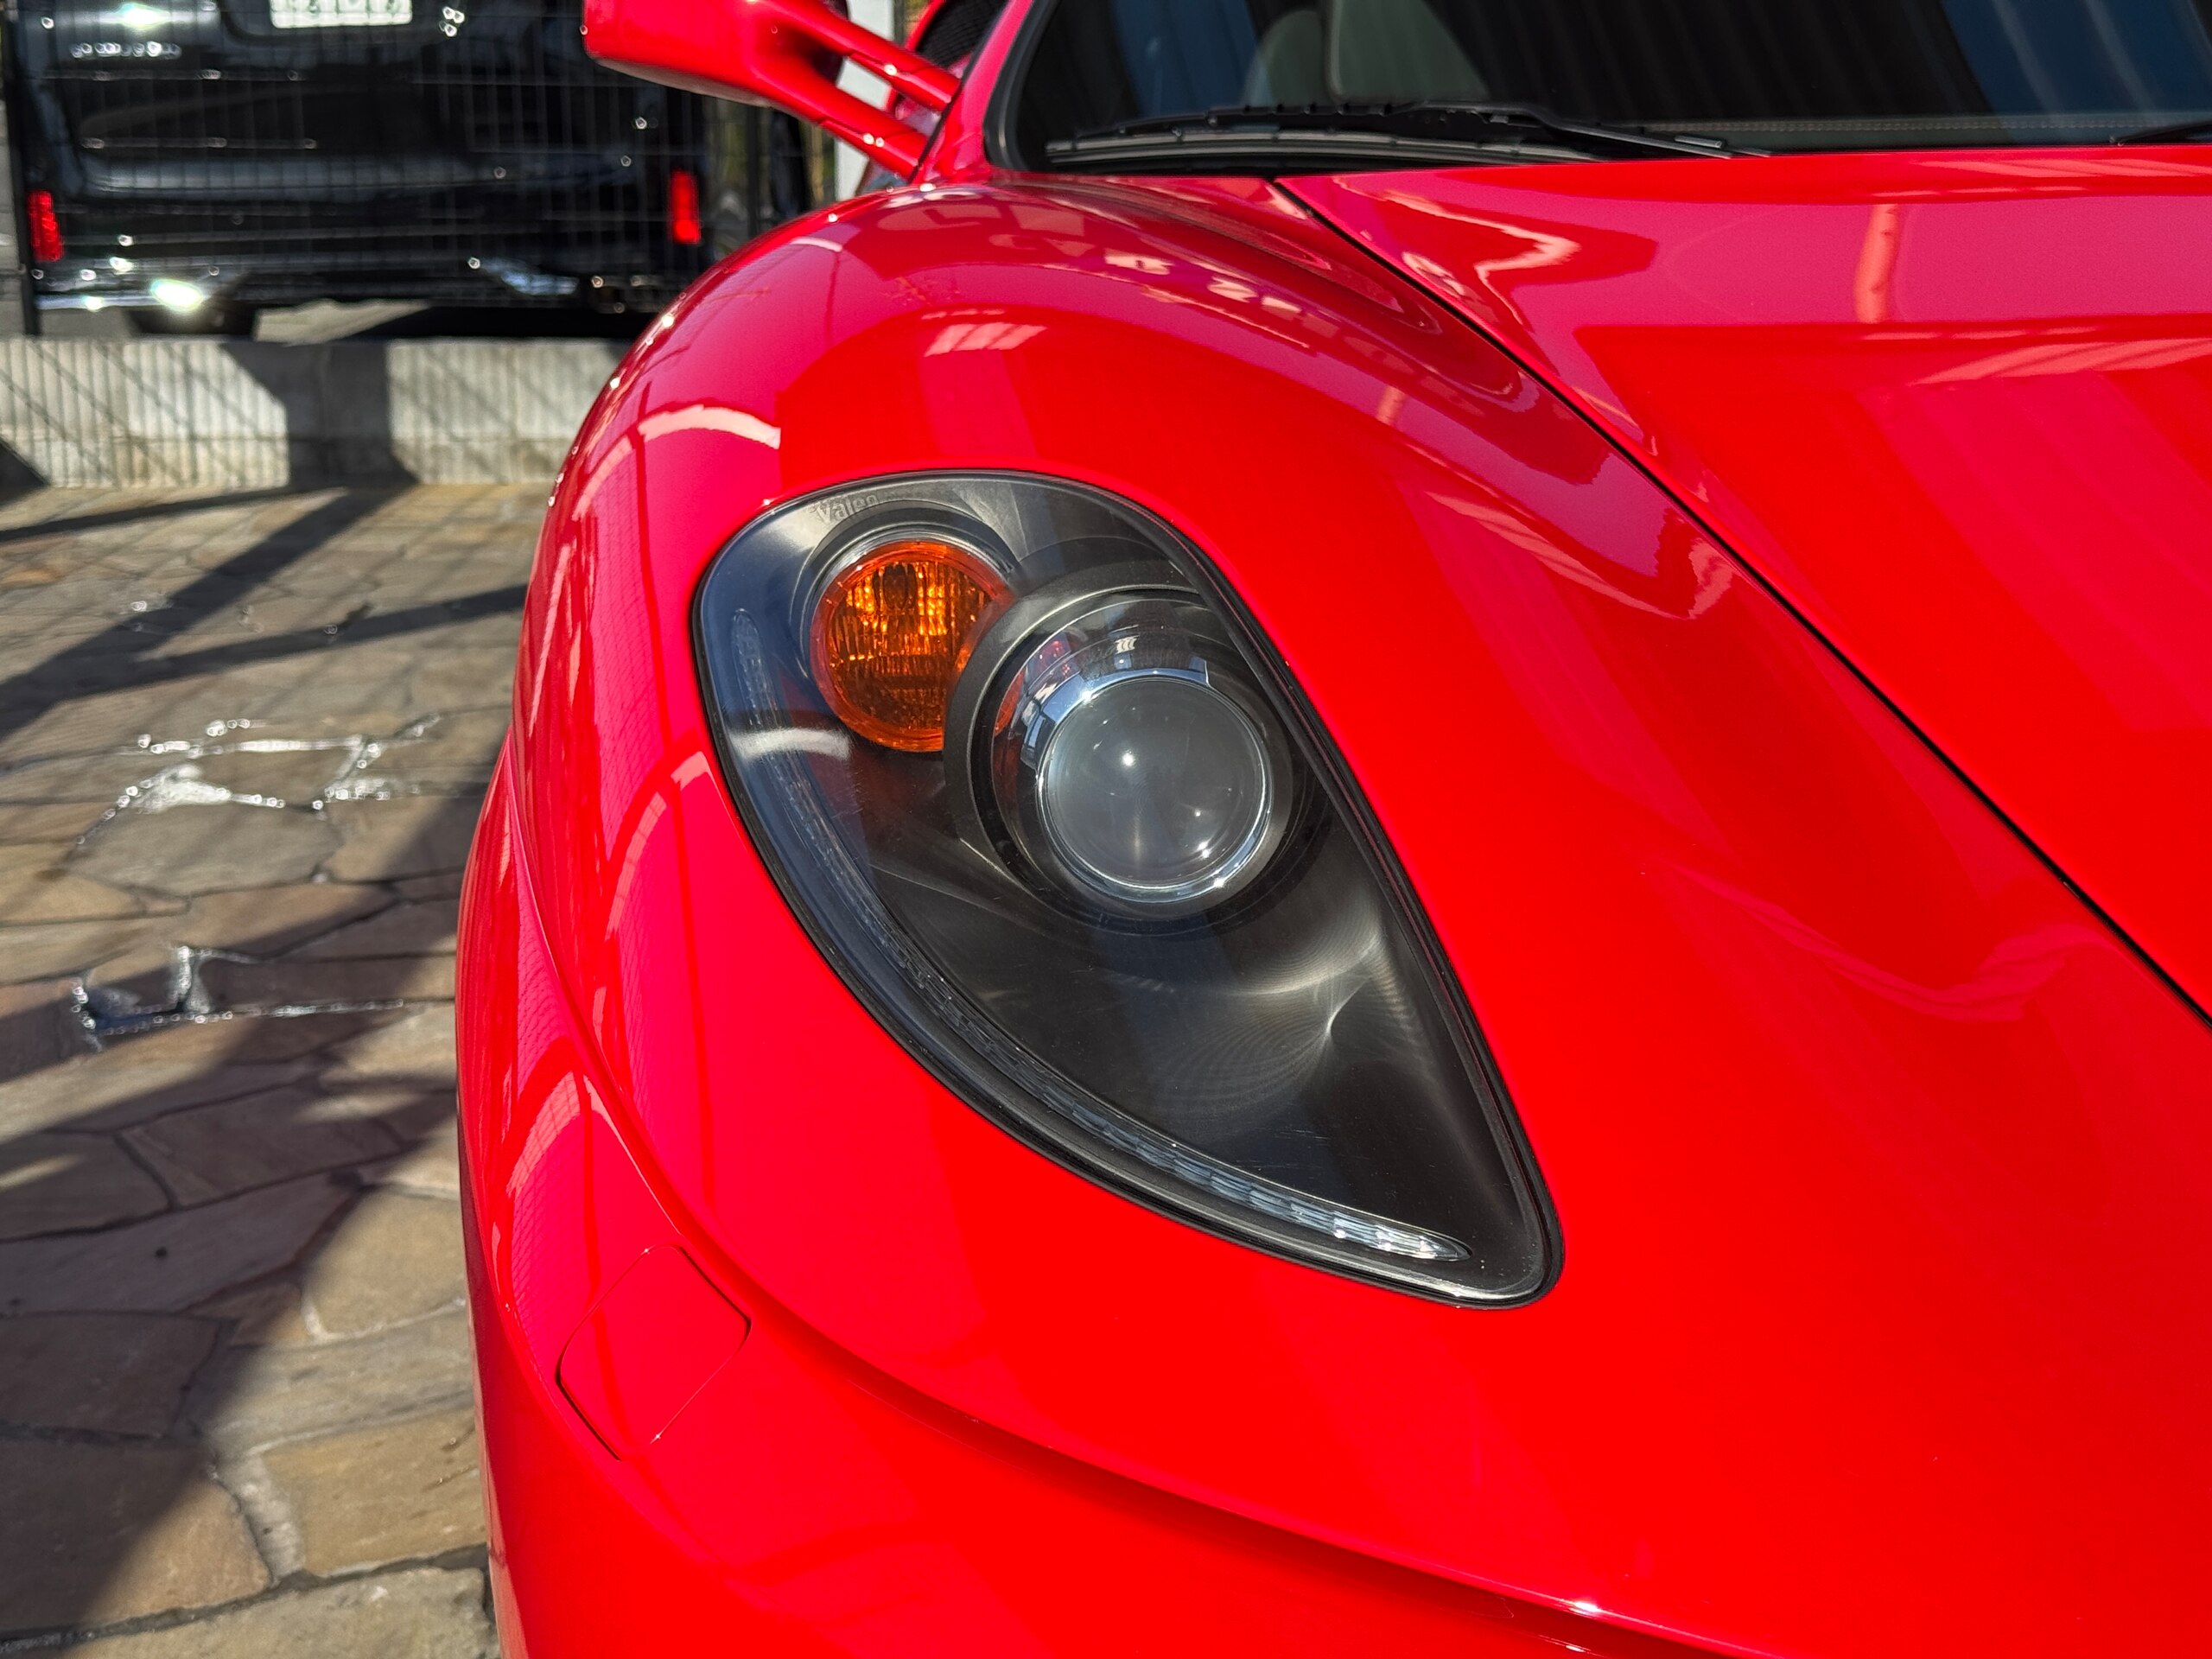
1125,900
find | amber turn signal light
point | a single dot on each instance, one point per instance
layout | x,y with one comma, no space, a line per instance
893,631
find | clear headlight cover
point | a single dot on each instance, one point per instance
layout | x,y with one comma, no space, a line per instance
1078,843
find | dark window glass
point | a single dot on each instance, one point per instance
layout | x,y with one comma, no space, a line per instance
1767,74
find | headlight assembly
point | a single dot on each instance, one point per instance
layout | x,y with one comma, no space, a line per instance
1037,790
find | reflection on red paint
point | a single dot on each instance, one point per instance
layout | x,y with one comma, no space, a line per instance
1952,406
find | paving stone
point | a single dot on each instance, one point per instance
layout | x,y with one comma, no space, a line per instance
445,884
416,930
94,1535
269,694
480,675
494,633
433,1167
293,776
424,1612
190,849
93,715
280,607
249,1039
417,1049
253,1395
209,1152
455,756
262,1316
127,1084
106,1373
172,1261
466,735
39,1028
49,950
414,1112
70,1182
387,839
335,1398
94,778
394,1493
396,1256
22,571
268,921
146,976
58,821
296,983
359,689
325,579
33,887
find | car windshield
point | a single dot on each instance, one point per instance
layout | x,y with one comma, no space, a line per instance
1746,74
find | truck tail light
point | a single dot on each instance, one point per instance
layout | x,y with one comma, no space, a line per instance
683,208
47,248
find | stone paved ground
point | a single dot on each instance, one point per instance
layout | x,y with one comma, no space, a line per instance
242,744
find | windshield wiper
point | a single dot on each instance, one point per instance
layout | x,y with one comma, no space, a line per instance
2169,132
1333,135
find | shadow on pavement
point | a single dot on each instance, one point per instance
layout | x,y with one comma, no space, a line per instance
349,629
138,513
233,1356
112,657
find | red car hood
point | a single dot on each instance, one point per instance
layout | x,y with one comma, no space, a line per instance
1957,409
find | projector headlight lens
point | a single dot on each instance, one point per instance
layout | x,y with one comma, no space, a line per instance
1153,787
1129,766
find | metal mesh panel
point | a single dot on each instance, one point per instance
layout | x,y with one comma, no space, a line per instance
957,28
268,151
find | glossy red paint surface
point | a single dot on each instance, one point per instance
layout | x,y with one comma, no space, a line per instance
785,51
801,1503
1957,408
1886,1314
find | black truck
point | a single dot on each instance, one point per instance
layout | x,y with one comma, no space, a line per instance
193,161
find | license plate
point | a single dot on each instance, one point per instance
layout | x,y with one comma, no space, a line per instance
340,13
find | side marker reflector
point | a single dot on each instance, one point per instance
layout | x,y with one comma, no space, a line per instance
647,1349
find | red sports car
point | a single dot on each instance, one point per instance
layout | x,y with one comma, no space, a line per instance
1389,833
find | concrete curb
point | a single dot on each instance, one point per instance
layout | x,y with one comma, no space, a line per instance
254,414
